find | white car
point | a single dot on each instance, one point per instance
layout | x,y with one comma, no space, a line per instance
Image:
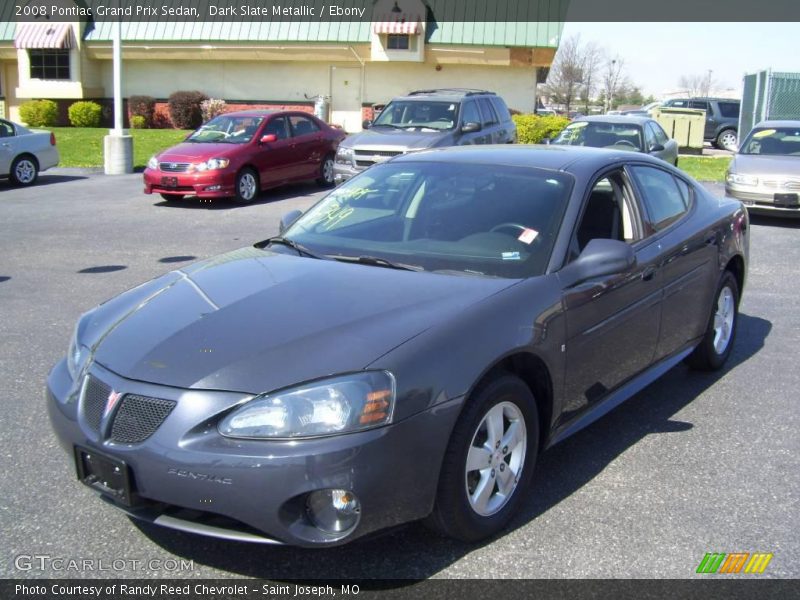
25,153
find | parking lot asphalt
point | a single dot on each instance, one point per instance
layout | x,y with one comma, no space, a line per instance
695,463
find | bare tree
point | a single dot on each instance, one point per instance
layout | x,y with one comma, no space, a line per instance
567,73
592,59
698,85
612,79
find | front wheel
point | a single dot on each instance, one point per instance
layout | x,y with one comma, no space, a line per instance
489,461
24,170
247,186
714,349
325,178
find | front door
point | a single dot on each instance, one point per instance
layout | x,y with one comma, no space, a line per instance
346,98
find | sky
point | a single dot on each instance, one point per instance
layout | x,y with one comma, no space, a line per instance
657,54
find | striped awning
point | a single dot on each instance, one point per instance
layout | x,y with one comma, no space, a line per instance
401,24
44,35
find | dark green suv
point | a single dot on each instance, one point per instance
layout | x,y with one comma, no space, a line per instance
722,118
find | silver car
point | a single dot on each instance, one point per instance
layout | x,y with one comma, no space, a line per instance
25,153
765,172
619,132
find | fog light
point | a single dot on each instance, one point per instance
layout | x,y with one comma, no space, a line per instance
333,511
213,188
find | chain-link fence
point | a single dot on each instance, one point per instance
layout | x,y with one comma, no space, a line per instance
768,95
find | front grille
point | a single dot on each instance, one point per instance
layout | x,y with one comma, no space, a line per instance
367,158
173,167
378,152
138,418
95,397
792,185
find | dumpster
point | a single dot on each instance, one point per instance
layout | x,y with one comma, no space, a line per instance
684,125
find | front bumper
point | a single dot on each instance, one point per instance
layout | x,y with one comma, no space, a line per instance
206,184
190,477
344,171
758,199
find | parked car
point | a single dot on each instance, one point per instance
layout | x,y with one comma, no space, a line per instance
546,112
639,134
765,172
238,154
25,153
722,118
403,350
427,119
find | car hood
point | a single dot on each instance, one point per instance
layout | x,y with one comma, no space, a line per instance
382,138
755,164
196,152
255,320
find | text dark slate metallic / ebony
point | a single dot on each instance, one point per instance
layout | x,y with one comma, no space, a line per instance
406,348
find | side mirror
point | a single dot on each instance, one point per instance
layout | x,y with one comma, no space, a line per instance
366,123
470,127
269,138
288,219
657,148
600,257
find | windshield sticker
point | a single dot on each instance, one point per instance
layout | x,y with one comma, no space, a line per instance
528,235
351,193
764,133
511,256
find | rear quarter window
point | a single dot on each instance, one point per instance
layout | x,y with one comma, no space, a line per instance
729,109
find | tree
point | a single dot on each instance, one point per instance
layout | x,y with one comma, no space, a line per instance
698,85
612,79
567,73
592,59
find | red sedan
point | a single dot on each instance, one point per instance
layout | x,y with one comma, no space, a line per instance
238,154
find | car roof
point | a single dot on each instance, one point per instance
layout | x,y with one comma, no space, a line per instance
557,158
782,123
445,94
261,112
704,98
620,119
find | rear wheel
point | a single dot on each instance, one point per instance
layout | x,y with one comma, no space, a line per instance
172,197
717,343
24,170
247,186
727,140
489,461
326,172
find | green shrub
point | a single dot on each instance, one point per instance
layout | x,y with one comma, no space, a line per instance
85,114
138,122
534,129
39,113
184,109
142,106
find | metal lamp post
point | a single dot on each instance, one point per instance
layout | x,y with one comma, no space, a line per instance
118,144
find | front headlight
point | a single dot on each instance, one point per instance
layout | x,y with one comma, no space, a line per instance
212,164
338,405
152,163
344,155
742,179
76,356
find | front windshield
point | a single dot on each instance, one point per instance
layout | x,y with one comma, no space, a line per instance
774,141
619,136
473,219
419,115
227,129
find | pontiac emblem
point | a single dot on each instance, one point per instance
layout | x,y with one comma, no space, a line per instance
113,398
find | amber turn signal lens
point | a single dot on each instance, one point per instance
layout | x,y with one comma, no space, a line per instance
376,408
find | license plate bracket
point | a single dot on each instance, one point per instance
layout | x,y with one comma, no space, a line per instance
786,200
169,182
109,476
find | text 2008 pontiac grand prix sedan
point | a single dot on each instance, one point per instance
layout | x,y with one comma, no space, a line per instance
405,349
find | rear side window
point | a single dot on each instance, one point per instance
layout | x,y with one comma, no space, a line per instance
500,108
302,125
664,200
489,118
729,109
701,104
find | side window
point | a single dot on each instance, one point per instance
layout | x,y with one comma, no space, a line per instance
500,108
6,129
279,127
729,109
649,137
685,190
302,125
609,214
470,113
489,118
664,200
701,104
661,136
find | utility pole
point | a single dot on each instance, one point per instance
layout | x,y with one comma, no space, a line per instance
118,144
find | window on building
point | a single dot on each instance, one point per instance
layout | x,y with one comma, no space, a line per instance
49,64
395,41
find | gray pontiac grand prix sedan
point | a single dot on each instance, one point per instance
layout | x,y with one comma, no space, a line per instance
405,349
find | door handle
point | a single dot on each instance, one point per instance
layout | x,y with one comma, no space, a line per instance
648,273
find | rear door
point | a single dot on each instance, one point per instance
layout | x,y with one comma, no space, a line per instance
612,322
8,146
711,120
309,146
277,161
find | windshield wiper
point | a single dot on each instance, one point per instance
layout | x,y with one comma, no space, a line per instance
302,250
387,125
377,262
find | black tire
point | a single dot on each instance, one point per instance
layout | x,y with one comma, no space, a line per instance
726,140
325,178
172,197
676,162
24,170
247,186
453,513
710,354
